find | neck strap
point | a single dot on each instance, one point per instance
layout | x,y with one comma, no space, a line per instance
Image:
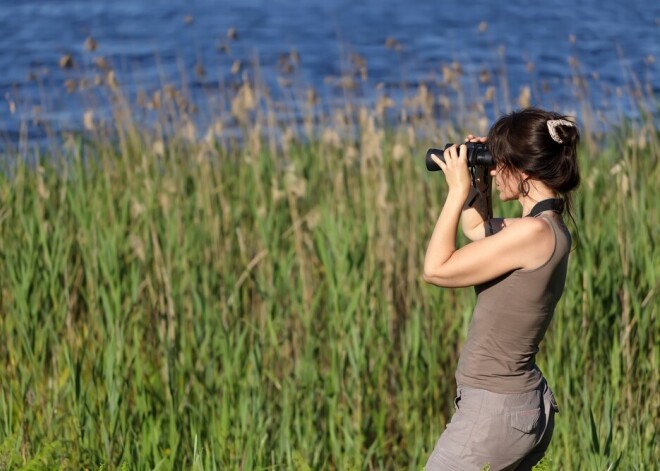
551,204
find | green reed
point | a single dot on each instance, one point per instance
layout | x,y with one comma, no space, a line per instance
174,302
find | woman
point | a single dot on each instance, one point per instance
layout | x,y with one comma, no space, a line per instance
504,409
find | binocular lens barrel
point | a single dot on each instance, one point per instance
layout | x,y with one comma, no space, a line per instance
431,166
477,154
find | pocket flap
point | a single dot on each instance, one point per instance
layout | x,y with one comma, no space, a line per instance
526,420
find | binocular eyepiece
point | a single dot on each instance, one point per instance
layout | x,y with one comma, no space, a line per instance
477,155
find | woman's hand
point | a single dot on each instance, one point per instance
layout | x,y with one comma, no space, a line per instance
455,169
471,138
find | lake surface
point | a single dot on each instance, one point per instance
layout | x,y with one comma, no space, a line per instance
155,42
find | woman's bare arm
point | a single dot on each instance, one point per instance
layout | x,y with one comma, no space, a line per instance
527,244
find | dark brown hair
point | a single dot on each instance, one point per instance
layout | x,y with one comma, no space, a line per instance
521,141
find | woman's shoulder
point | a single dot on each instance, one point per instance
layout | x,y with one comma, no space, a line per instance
535,240
527,226
530,232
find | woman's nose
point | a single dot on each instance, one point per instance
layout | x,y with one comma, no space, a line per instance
493,172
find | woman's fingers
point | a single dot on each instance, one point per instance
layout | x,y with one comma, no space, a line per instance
450,153
455,168
473,138
455,153
438,161
462,152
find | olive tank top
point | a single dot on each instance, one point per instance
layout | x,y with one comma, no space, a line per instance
510,319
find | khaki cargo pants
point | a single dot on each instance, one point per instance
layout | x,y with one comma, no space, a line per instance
503,431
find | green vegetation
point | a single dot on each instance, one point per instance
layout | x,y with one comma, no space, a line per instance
174,302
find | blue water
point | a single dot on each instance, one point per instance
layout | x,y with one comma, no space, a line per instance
155,42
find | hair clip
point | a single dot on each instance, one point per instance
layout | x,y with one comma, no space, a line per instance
552,128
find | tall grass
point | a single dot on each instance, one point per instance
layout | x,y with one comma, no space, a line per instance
253,299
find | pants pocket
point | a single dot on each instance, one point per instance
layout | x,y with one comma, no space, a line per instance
526,421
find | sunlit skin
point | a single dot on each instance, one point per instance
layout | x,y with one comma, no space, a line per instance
506,183
516,243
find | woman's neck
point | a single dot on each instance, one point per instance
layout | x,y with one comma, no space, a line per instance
537,192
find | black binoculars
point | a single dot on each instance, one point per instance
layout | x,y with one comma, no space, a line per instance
478,155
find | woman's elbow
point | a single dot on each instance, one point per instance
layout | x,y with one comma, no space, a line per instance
444,276
427,278
434,277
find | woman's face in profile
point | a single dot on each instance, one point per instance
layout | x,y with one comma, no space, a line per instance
506,182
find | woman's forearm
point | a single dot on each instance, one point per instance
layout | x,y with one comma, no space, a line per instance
443,240
478,207
474,212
